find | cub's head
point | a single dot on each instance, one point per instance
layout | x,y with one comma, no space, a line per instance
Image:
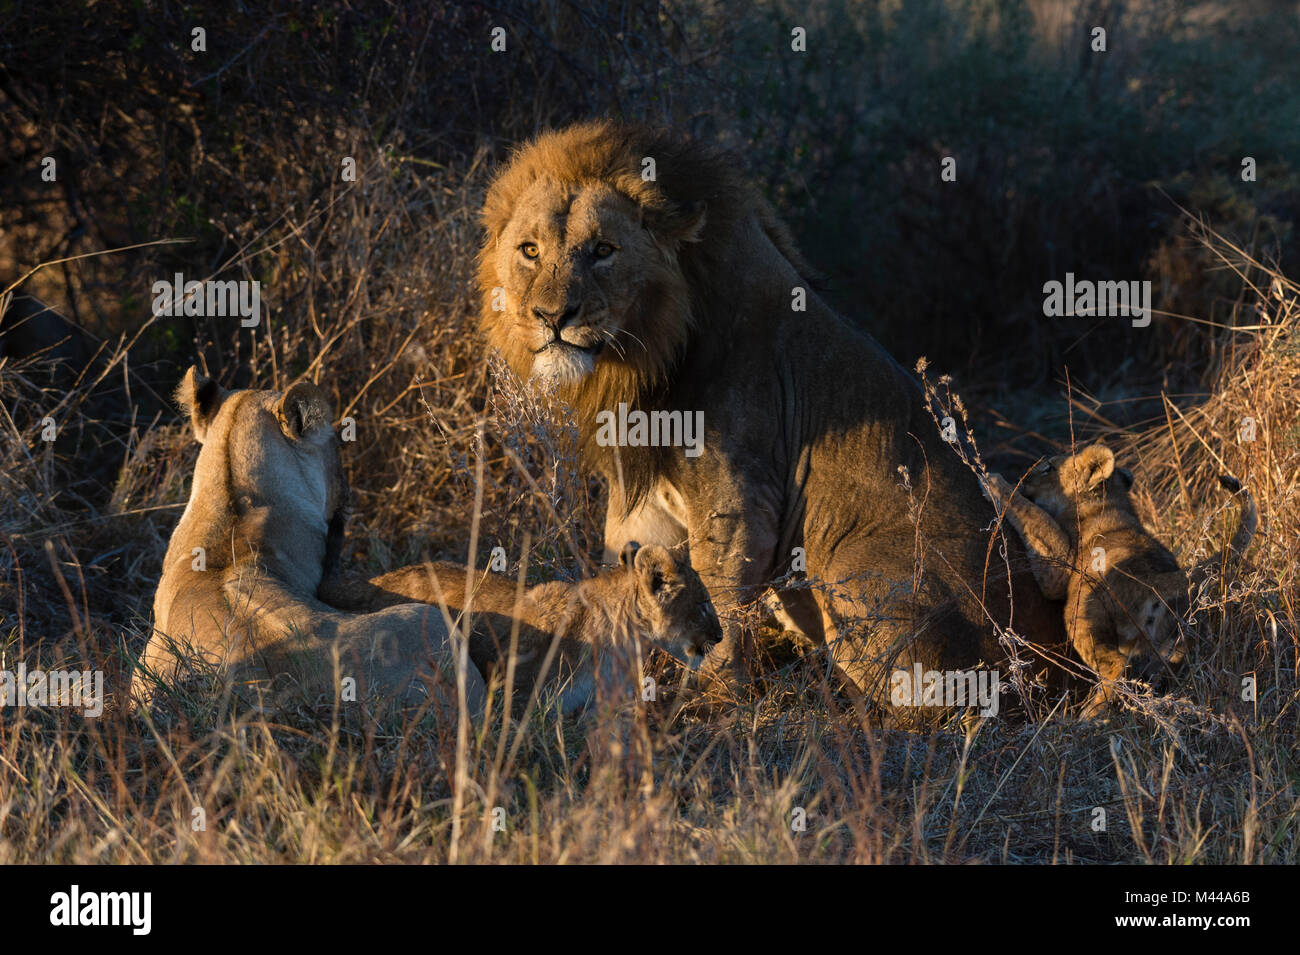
1062,483
579,270
672,603
274,452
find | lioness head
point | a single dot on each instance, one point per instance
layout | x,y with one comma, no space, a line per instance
1058,484
579,270
672,604
266,453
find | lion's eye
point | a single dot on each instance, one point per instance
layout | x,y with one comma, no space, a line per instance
603,250
530,250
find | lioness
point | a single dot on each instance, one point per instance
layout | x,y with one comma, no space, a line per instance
238,587
650,595
1125,595
628,270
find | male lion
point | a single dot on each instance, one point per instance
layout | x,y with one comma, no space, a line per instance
240,576
1125,595
650,596
626,269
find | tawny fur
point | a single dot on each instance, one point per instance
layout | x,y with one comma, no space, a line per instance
602,285
239,580
1125,595
651,596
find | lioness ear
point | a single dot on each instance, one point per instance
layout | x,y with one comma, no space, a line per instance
303,409
654,567
626,556
199,397
1098,463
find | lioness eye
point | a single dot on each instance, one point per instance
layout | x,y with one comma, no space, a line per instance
603,250
530,250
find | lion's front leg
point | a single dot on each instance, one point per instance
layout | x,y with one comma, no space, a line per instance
733,543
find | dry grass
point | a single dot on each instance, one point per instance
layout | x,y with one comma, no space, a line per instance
368,286
1194,776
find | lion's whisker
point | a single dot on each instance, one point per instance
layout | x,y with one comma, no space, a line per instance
613,342
624,331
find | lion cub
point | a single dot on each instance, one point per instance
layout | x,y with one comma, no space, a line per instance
650,594
1125,593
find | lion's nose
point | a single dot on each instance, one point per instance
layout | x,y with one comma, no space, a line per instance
554,319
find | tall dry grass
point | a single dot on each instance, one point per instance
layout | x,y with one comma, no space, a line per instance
368,289
1192,775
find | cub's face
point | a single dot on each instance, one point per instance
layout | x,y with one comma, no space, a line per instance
579,279
1058,484
672,602
273,450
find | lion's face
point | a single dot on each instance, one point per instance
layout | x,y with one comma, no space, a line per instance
1059,483
576,273
672,603
590,234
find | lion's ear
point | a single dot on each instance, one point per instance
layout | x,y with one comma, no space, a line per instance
200,397
303,409
654,567
678,225
1098,464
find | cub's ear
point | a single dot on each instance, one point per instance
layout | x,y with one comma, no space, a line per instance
655,567
628,553
200,398
1097,463
303,409
1126,476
